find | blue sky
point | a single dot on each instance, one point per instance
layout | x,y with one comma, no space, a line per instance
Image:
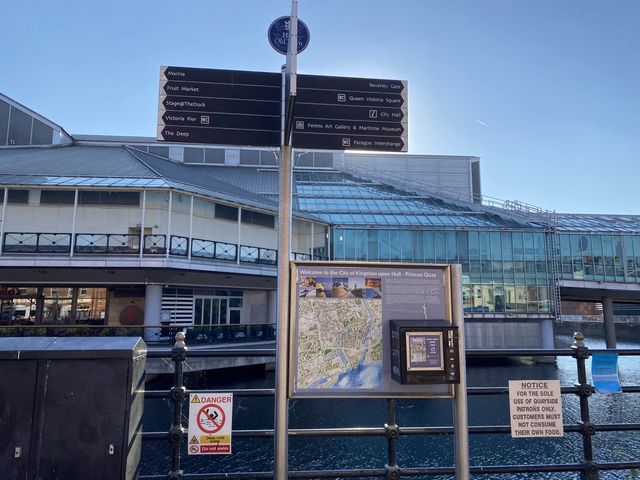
546,92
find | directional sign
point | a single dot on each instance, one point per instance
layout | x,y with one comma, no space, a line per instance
344,113
219,106
232,107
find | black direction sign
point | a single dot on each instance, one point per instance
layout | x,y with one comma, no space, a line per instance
348,142
350,113
348,127
219,106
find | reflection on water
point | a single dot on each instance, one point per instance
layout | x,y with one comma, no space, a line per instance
414,451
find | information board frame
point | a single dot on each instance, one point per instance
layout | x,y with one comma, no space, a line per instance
353,285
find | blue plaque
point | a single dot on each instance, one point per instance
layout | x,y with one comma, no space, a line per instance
279,35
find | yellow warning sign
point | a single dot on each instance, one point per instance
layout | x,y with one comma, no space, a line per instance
195,399
194,439
217,439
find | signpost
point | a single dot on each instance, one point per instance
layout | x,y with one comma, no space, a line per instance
231,107
198,105
342,113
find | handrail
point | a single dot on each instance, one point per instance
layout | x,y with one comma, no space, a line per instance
129,244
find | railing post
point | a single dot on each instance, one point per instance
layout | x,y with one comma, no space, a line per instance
587,430
391,433
178,393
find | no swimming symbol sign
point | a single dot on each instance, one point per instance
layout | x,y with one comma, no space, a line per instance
210,423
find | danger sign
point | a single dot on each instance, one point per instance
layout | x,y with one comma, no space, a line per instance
210,423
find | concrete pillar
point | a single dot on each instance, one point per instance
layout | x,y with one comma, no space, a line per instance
272,306
152,312
546,334
39,306
609,325
74,306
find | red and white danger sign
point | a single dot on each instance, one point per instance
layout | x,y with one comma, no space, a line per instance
210,423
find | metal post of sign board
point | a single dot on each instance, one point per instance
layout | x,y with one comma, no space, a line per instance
460,413
281,421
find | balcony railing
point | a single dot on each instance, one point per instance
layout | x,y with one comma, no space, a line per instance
19,242
153,244
107,243
266,256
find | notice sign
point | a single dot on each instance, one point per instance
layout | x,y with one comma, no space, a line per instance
210,423
535,408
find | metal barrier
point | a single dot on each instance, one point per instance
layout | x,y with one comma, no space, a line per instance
233,334
588,469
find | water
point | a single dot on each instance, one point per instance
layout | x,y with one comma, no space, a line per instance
255,454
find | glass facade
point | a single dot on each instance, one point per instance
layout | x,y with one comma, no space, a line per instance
598,257
52,306
505,263
502,271
20,128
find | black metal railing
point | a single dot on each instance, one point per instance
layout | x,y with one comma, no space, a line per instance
218,334
196,335
153,244
107,243
587,469
266,256
17,242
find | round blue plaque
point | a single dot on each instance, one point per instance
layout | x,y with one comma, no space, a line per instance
279,35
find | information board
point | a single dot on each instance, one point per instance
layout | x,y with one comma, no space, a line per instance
535,408
341,327
210,419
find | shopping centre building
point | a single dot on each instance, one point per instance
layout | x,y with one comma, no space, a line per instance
129,231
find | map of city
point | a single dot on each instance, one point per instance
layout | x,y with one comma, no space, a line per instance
339,343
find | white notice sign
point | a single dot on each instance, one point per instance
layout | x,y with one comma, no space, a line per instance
535,408
210,423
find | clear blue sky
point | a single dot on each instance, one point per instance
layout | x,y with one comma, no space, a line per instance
546,92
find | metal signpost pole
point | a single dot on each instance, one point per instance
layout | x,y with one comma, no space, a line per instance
460,413
281,421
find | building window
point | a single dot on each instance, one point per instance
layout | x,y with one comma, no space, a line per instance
4,122
16,196
109,198
42,134
226,212
214,155
257,218
159,151
19,128
249,157
59,197
193,155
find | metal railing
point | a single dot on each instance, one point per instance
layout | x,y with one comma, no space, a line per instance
587,469
232,334
129,244
123,244
20,242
